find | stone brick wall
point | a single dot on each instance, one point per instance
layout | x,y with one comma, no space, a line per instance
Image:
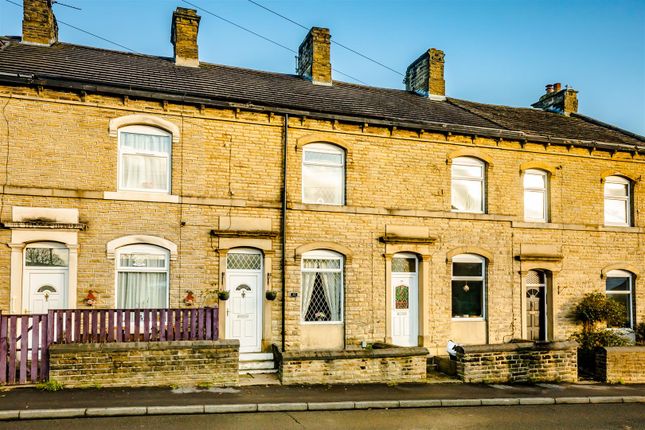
518,362
622,365
227,162
145,364
353,366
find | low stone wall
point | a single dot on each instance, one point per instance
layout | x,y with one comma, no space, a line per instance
624,364
518,362
144,364
364,366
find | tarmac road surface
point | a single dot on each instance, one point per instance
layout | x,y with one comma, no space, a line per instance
542,417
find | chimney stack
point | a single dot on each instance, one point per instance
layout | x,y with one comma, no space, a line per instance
556,99
39,25
185,25
425,75
314,56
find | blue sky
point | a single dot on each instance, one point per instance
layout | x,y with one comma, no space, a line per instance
497,51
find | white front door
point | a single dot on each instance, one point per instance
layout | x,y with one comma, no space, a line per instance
405,299
46,290
242,316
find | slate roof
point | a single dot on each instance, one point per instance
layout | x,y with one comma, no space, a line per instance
114,70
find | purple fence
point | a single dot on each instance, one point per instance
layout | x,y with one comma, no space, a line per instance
25,339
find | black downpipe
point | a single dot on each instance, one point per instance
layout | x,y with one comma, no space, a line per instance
283,225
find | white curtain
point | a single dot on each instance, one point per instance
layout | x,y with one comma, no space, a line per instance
142,290
308,280
332,289
145,161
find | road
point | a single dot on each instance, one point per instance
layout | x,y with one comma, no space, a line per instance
587,417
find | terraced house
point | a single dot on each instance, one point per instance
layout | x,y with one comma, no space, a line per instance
375,215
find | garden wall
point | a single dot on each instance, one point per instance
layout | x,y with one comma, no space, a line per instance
624,364
139,364
388,365
518,362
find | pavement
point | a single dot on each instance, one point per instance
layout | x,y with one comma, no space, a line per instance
31,403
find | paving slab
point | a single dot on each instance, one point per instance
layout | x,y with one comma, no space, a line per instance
571,400
500,402
434,403
537,401
461,402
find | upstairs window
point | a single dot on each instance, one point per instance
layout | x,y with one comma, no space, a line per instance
323,174
619,287
536,206
617,201
468,185
144,159
142,277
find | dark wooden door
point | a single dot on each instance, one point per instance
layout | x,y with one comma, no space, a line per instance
533,309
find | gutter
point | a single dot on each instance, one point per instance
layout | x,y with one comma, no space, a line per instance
54,82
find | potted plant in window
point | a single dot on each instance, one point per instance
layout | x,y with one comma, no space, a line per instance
271,295
223,295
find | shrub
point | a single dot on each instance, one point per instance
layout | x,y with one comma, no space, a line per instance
593,310
640,333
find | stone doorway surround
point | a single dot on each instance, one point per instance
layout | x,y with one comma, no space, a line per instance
247,232
548,259
415,240
33,224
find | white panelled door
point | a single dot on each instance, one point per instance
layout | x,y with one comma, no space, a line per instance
405,299
244,306
46,290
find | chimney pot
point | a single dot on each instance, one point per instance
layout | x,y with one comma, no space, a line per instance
425,75
314,56
185,26
549,88
39,26
557,87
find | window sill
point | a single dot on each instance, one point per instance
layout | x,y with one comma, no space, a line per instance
321,322
466,319
141,196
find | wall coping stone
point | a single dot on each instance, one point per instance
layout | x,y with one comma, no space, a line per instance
150,346
502,347
350,354
633,348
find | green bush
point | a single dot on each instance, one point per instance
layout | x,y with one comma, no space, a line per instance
598,338
594,310
640,333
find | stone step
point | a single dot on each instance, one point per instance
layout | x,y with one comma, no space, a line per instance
256,356
257,371
255,365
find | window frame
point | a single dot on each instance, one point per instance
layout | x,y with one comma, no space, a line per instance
482,179
141,248
326,255
144,130
325,148
545,195
619,273
627,199
470,258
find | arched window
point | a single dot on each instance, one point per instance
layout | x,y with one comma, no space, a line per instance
617,201
322,286
619,285
323,174
144,159
536,200
142,277
468,286
468,185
